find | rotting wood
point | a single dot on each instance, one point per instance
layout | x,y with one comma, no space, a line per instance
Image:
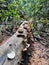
19,46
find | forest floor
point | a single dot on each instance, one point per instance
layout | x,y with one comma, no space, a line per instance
40,54
4,39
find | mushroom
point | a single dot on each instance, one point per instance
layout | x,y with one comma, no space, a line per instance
20,30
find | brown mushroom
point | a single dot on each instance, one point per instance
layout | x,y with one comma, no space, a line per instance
20,30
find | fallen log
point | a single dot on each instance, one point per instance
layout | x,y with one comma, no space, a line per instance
17,40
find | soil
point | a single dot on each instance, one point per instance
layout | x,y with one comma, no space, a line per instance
4,39
40,55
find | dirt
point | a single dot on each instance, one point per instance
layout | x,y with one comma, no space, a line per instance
4,39
40,55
